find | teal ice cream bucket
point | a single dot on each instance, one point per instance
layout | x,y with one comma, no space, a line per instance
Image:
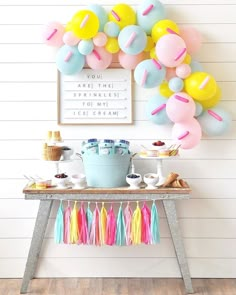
106,170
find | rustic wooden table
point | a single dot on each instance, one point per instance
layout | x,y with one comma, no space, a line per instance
168,196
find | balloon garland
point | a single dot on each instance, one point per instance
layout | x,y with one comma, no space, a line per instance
158,51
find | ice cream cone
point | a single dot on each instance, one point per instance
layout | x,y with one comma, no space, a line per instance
170,178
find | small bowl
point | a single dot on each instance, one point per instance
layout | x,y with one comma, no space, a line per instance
133,179
151,179
61,182
79,180
67,152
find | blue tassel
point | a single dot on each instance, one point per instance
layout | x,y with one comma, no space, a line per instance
120,231
59,225
89,218
155,225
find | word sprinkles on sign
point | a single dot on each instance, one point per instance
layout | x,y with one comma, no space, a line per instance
101,98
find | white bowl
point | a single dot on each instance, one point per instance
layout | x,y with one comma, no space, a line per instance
79,180
151,179
61,182
135,181
66,154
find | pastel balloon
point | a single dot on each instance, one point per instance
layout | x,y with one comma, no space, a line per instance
163,27
153,53
130,62
188,134
150,12
85,47
171,50
132,39
187,59
100,39
180,107
209,103
69,61
112,29
149,45
201,86
183,71
70,39
156,110
112,45
199,109
101,14
85,24
215,121
123,15
53,34
170,73
149,73
176,84
196,66
192,39
165,90
99,59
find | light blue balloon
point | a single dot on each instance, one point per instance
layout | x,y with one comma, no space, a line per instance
148,20
176,84
111,29
212,126
85,47
198,109
100,13
139,42
74,64
155,76
196,66
153,104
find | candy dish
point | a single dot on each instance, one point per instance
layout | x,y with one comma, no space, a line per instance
134,179
61,180
151,180
79,181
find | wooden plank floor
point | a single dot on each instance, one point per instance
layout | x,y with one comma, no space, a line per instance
120,286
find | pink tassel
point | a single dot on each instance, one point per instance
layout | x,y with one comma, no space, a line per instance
95,231
83,238
67,214
128,222
111,227
146,224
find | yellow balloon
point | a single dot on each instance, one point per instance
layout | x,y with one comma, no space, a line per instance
112,45
212,101
68,26
123,15
162,28
187,59
165,90
153,53
201,86
85,24
150,44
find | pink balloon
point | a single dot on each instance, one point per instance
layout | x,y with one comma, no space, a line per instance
180,107
187,133
183,71
192,39
171,50
70,39
99,59
100,39
170,73
128,61
53,34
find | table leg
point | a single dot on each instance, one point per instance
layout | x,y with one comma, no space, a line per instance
169,206
36,243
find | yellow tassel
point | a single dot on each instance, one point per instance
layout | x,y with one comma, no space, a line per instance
136,226
74,225
103,224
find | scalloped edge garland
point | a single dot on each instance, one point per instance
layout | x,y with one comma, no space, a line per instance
158,51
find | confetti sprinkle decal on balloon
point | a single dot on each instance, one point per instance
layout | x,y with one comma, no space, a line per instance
116,16
97,54
215,115
182,136
180,54
68,56
84,21
157,110
157,64
130,40
181,98
148,9
144,77
204,83
52,34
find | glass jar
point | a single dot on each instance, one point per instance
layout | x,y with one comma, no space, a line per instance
122,147
106,147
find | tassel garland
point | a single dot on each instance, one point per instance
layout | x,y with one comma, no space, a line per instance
102,227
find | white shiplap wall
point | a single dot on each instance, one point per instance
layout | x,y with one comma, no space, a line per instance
28,110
